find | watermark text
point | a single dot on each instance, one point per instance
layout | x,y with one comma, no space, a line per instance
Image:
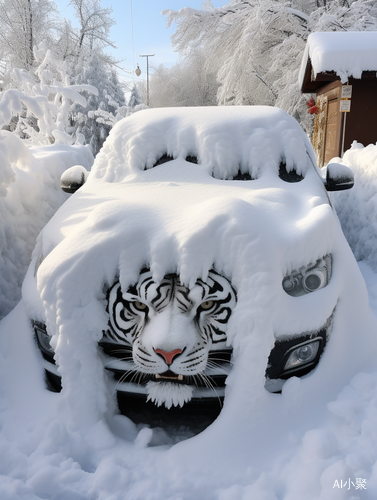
360,484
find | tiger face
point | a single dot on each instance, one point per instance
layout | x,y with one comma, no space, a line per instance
170,330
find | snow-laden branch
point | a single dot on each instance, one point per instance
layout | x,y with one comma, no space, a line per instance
50,100
11,104
254,47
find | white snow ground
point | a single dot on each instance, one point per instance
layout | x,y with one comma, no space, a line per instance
318,444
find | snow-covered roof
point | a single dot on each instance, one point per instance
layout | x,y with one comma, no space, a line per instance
348,54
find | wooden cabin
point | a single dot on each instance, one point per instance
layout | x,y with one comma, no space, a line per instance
340,67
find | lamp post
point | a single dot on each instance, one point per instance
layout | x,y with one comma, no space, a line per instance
147,56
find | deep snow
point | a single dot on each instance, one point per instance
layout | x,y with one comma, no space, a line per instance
320,432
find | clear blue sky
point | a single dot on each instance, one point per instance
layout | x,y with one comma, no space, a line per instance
149,27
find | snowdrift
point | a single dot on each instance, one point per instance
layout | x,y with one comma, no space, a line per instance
29,196
357,208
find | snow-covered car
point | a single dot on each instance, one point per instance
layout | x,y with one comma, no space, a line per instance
192,223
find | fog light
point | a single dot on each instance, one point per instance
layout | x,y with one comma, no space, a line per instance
43,339
302,355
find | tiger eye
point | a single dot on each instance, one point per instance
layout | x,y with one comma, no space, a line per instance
140,305
207,304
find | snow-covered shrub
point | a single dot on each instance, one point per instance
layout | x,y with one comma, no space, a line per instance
29,195
96,118
30,176
134,99
188,83
54,96
357,208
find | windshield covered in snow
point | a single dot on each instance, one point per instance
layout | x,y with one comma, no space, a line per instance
228,141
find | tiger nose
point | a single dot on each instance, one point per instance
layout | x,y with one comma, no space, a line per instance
168,356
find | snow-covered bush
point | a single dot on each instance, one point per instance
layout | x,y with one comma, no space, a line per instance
54,95
357,208
30,176
134,99
188,83
96,118
30,194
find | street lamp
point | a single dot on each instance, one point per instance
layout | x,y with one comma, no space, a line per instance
147,56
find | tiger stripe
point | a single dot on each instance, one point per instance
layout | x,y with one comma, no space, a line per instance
206,309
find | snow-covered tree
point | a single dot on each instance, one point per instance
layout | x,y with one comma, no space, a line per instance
141,87
23,24
92,65
95,22
255,46
47,98
66,43
80,57
96,119
134,99
188,83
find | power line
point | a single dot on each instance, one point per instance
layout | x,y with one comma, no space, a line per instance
132,31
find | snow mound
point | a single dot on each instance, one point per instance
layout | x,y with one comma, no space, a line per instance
357,207
29,195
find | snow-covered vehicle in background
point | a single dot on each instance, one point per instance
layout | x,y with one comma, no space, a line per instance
196,229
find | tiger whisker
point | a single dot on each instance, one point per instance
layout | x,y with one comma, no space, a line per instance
121,380
117,359
121,350
194,379
207,381
219,368
139,377
222,360
126,374
136,374
213,364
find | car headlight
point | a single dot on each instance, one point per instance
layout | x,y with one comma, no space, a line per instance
43,339
302,355
309,279
294,357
